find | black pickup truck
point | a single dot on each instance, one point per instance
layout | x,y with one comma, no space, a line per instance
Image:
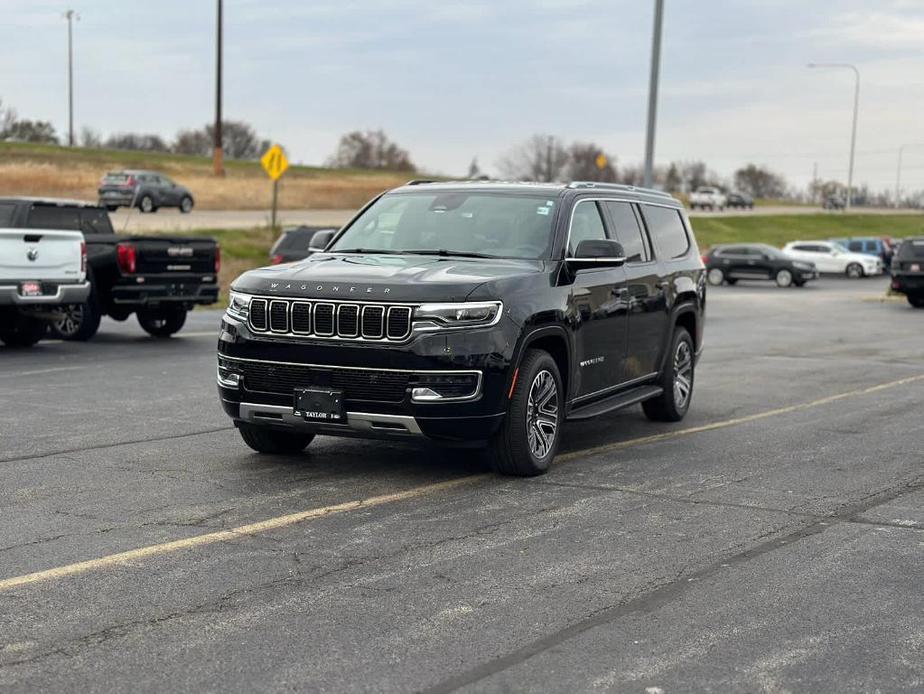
158,278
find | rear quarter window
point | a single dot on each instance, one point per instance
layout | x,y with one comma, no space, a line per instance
667,230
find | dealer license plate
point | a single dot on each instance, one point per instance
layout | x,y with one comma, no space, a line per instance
318,404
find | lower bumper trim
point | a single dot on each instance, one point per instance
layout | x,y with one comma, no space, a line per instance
364,422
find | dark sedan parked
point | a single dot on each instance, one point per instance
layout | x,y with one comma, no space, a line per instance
740,201
756,261
146,190
294,244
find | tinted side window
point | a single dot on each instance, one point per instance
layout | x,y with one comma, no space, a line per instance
95,221
628,231
856,246
48,217
6,214
586,224
667,231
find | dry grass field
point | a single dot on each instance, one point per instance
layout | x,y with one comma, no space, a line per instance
47,170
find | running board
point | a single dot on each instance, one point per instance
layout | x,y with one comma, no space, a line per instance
615,402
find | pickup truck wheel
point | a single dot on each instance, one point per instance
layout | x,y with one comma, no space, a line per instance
266,440
527,442
24,331
186,204
146,204
161,322
677,381
78,322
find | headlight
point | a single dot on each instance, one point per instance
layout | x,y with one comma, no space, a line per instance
238,306
462,315
803,266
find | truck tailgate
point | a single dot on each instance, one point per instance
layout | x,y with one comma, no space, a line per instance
170,255
41,254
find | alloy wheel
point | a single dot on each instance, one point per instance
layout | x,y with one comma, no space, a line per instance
542,414
683,374
70,321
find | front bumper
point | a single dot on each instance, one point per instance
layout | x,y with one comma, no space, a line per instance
457,421
64,294
149,290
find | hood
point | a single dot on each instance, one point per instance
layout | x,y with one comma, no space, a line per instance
412,278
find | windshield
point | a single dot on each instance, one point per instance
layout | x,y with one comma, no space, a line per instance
454,223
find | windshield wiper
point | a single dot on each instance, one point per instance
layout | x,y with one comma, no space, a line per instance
448,254
366,251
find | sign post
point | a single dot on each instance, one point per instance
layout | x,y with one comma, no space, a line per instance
274,162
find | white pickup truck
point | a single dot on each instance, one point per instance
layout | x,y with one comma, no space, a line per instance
42,272
708,198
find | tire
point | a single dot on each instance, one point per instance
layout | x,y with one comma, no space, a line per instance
161,322
916,300
273,442
186,204
24,331
146,204
715,276
672,405
112,208
784,278
80,321
854,271
528,440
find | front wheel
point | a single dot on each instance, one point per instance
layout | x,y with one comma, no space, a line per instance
526,444
784,278
146,204
676,380
266,440
916,300
161,322
186,204
854,271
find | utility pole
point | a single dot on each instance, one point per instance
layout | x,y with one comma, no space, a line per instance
853,133
218,154
70,16
653,93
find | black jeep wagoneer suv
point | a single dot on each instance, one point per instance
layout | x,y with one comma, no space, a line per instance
473,314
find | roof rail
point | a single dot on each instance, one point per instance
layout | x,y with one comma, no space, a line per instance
419,181
619,186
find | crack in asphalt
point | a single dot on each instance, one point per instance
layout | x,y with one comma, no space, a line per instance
103,446
671,590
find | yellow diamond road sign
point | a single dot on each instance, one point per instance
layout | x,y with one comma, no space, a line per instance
274,162
601,161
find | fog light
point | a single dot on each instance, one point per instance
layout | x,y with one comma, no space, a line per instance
228,379
446,386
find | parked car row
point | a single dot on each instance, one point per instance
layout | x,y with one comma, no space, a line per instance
62,267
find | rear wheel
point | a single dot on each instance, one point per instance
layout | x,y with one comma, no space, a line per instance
715,277
527,442
273,442
22,331
784,278
146,204
916,300
677,381
79,322
854,270
162,322
186,204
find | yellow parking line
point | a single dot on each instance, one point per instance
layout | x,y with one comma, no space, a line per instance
123,558
737,420
133,555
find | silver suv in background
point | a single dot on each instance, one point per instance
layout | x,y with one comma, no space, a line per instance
146,190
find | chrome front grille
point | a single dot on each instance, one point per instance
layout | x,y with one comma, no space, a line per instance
330,319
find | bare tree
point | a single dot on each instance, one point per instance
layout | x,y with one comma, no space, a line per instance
760,182
370,150
540,158
673,183
239,140
90,138
137,141
195,142
32,131
584,160
8,118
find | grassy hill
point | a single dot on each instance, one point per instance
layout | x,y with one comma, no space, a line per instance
74,172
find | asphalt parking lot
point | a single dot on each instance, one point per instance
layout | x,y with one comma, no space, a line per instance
772,541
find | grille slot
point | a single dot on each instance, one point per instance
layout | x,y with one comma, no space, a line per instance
301,317
373,323
399,322
258,314
348,320
324,320
279,316
356,384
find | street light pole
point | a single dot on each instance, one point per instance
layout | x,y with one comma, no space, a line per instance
653,93
217,135
856,107
70,16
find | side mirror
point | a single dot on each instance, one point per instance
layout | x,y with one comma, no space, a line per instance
597,253
320,239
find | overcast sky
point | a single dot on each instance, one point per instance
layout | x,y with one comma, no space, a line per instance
452,80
